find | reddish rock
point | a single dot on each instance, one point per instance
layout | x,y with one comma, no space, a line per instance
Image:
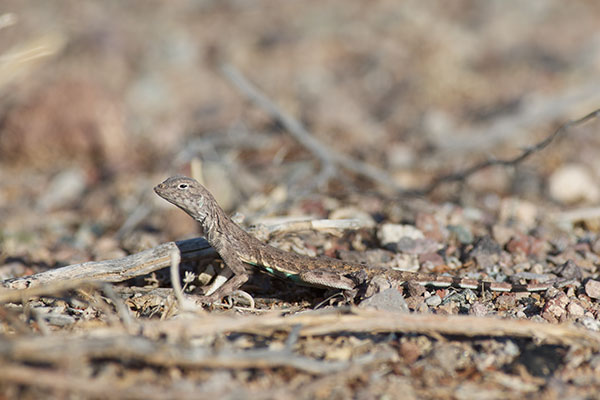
431,227
414,302
575,309
410,352
525,244
556,306
506,301
414,289
434,258
478,309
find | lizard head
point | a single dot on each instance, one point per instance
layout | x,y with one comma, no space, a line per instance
187,194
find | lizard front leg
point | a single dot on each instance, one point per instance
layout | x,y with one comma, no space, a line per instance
240,276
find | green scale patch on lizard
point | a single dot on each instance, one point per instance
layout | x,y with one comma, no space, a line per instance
294,277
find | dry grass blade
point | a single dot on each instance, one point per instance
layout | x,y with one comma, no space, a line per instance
19,61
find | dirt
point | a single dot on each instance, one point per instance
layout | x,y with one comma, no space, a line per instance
99,102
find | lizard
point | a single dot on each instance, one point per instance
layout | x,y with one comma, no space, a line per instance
243,253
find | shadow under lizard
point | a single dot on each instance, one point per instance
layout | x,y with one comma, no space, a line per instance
241,251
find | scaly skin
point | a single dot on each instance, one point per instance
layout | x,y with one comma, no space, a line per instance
240,251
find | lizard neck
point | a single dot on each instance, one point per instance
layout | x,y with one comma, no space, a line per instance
225,235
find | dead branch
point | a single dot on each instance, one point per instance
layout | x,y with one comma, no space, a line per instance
49,287
119,270
329,158
370,321
534,109
14,373
490,162
56,350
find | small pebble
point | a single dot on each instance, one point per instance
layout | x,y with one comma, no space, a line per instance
410,352
575,309
591,323
414,289
572,183
592,289
522,211
434,259
506,301
502,234
392,233
415,246
406,262
478,309
569,270
422,308
434,301
387,300
525,244
431,227
486,251
557,306
463,235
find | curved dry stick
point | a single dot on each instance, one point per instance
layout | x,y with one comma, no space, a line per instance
527,152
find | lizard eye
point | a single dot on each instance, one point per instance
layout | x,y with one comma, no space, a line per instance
183,186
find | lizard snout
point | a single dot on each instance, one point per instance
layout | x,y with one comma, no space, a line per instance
158,188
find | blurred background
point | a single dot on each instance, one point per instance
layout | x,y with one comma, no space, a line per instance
100,101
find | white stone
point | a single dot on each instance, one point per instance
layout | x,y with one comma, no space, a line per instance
392,233
572,183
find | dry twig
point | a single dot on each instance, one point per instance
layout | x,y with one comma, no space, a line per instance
14,373
331,158
118,270
527,152
49,287
328,157
534,109
56,350
370,321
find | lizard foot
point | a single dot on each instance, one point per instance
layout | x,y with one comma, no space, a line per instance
232,285
240,294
